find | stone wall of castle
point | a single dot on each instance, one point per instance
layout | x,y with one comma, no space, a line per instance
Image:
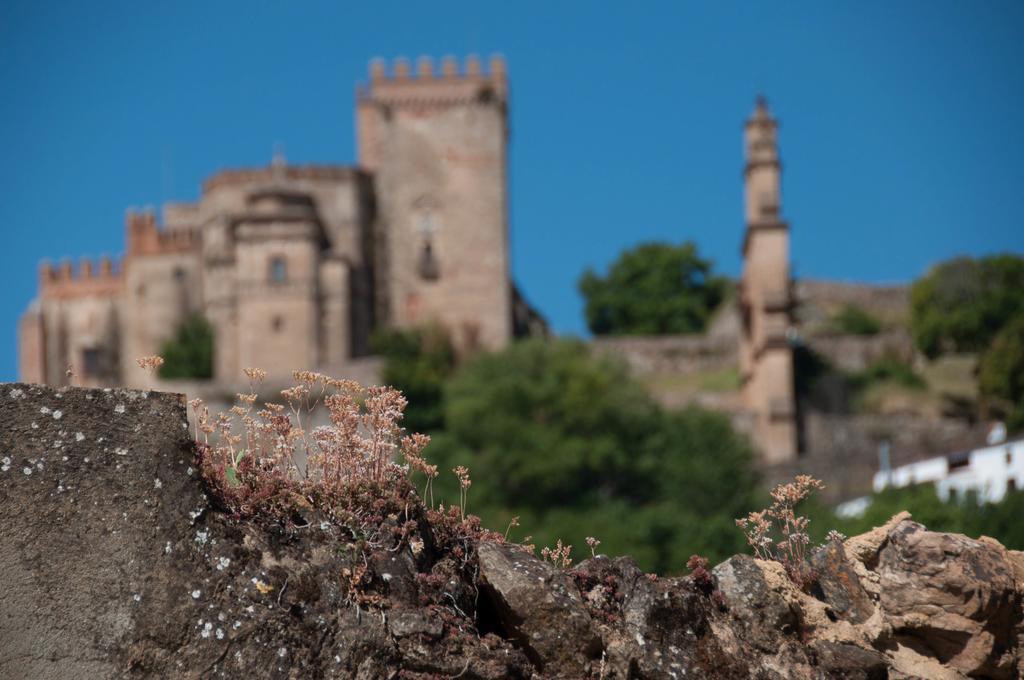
819,300
163,285
854,353
669,354
718,349
288,267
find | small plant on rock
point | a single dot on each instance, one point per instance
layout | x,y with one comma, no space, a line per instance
268,459
150,363
462,473
778,533
704,581
702,578
560,555
351,478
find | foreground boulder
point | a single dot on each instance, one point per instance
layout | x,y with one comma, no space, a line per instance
949,597
115,563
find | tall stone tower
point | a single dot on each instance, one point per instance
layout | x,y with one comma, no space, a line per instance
436,145
766,357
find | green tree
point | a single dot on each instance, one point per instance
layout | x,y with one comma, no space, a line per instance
575,447
1001,372
417,362
1002,522
962,304
652,289
189,354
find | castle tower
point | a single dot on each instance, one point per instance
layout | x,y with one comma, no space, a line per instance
161,288
278,244
73,325
766,358
436,144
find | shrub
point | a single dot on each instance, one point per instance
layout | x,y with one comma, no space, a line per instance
852,320
1001,372
189,354
568,442
653,289
962,304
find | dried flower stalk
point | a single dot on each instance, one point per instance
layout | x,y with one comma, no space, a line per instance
778,533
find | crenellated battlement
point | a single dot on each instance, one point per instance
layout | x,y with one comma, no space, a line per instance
453,83
144,237
401,69
99,278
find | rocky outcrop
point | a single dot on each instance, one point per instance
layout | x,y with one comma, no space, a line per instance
951,598
115,563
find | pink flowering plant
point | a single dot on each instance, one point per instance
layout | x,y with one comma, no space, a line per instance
778,533
269,458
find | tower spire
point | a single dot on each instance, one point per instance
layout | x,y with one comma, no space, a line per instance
763,169
765,297
761,107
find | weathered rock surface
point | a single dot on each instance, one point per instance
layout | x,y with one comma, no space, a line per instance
539,606
950,597
96,500
114,563
839,586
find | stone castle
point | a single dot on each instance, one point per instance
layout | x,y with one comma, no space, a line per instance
295,266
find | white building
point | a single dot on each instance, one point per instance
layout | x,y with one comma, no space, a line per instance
988,473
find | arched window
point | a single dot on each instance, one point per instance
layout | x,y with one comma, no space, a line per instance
278,269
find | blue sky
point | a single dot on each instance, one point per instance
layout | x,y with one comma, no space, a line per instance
902,123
